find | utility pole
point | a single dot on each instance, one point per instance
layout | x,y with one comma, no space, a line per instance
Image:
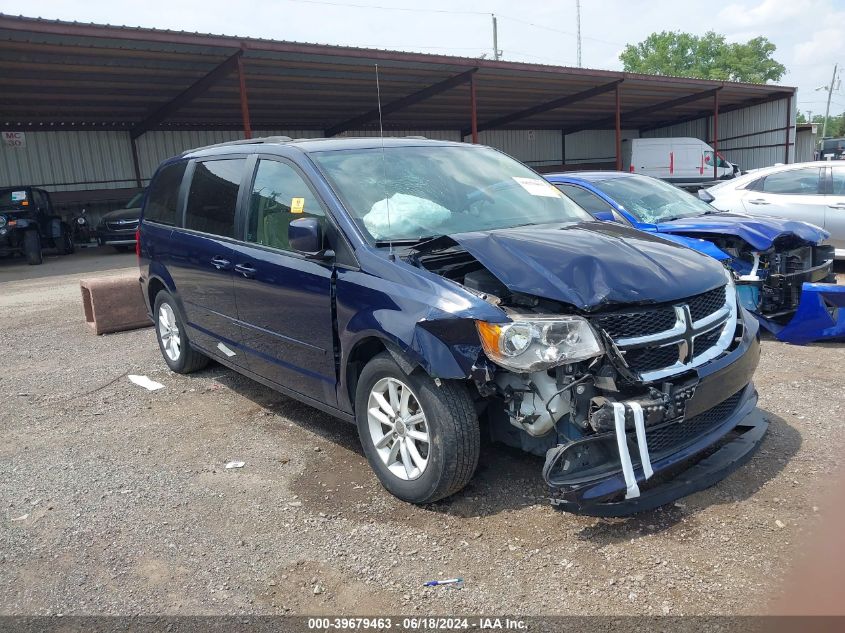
578,23
495,38
829,95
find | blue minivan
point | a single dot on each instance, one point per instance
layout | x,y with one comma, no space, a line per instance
428,291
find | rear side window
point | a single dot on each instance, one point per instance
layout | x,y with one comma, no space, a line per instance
164,195
794,181
213,196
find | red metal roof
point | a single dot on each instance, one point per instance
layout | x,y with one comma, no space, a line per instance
66,75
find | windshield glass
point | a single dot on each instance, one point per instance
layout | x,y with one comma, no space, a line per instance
135,202
428,191
13,198
651,200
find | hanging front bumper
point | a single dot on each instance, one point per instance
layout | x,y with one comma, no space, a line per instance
689,471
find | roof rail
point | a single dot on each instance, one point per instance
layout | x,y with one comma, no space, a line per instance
245,141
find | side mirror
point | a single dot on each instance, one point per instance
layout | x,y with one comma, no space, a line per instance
705,196
305,236
604,216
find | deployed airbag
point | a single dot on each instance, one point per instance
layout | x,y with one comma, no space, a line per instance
404,216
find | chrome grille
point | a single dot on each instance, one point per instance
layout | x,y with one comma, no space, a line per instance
122,225
669,339
707,303
625,324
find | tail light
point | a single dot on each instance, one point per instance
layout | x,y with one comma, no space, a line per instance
138,242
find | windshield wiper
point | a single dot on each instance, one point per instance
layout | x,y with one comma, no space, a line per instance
406,241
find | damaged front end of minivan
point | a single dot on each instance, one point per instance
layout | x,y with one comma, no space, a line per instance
635,396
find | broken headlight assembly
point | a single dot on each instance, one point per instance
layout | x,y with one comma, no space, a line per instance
538,343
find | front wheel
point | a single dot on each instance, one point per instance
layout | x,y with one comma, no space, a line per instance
172,337
32,248
422,440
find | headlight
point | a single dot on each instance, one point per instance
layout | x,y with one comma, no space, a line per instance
2,220
528,345
81,220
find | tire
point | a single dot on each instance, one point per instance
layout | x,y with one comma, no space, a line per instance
66,244
177,353
449,422
32,248
121,248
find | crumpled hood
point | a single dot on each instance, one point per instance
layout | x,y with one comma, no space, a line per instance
593,264
759,232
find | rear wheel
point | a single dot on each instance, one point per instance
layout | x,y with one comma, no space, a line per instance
32,248
173,338
422,440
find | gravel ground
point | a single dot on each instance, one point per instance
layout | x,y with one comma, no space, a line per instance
115,500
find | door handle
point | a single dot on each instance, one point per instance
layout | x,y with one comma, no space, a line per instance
220,263
759,201
246,270
838,205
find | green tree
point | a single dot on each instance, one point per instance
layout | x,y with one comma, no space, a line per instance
709,56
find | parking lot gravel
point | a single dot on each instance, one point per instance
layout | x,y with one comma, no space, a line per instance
115,499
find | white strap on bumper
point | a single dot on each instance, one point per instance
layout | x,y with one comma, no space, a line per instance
633,490
642,443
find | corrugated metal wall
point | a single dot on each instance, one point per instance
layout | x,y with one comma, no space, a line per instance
761,130
103,160
594,146
805,145
60,159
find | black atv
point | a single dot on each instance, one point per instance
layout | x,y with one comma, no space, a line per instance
28,224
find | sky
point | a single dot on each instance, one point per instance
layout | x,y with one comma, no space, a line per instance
808,33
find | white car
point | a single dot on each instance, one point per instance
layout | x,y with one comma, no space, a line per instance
812,192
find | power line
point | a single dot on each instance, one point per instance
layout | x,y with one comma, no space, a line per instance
554,30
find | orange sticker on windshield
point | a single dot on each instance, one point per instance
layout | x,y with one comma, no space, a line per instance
297,205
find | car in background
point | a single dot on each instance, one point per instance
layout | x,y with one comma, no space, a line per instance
812,192
782,270
426,290
832,149
28,223
682,160
117,228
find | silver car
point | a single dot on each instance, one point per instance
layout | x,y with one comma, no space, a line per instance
812,192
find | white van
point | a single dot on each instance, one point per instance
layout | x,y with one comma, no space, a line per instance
675,159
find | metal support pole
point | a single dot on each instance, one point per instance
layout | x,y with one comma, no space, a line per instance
495,37
716,135
618,129
473,113
788,128
563,147
244,101
829,95
135,161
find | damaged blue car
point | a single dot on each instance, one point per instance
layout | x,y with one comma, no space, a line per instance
782,268
429,292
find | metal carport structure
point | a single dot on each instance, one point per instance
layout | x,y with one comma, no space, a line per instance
60,76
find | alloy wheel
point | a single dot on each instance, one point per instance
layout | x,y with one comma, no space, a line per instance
168,330
398,428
